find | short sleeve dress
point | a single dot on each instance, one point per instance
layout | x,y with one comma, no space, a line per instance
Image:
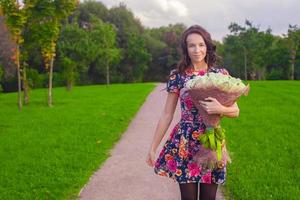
176,159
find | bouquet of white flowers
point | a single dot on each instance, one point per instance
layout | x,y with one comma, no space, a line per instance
226,89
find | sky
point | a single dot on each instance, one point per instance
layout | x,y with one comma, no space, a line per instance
215,15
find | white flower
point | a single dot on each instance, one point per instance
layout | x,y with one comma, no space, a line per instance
223,82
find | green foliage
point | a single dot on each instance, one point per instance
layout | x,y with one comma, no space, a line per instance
1,72
138,56
36,80
15,18
104,37
278,57
293,41
247,49
126,24
91,50
45,18
1,76
164,45
59,79
74,52
69,73
95,38
88,11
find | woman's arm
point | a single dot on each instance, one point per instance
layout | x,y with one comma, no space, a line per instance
163,125
212,106
165,120
231,111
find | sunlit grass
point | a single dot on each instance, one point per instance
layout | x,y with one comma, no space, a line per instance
264,142
50,153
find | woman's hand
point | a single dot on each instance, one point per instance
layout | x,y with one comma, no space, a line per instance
150,158
212,106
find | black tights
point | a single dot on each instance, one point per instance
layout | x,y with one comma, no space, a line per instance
189,191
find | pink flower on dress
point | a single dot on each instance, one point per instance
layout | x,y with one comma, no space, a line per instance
171,164
206,178
201,72
189,103
194,169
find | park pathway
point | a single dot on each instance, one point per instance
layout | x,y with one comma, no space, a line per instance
125,175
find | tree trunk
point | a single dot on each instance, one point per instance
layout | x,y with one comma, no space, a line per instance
253,75
50,83
293,59
107,74
245,64
69,85
19,77
25,86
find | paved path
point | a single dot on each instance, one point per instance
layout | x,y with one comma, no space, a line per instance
125,175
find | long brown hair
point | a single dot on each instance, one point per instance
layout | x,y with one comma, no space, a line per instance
211,56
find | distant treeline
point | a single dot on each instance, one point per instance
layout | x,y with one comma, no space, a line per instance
101,45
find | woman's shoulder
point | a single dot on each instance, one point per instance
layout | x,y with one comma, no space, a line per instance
174,74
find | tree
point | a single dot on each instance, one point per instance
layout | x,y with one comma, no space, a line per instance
294,43
103,37
138,56
156,48
163,43
46,17
278,65
15,19
255,46
126,25
87,11
109,52
93,49
72,48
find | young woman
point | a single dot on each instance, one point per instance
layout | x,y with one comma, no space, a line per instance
176,158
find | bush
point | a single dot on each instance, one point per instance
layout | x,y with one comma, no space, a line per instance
275,74
58,79
1,77
36,80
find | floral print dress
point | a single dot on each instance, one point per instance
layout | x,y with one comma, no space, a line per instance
176,157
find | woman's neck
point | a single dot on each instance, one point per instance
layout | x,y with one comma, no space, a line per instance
199,66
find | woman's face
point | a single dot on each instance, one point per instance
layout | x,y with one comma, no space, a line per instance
196,48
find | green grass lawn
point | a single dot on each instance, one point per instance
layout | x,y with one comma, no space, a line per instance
264,142
50,153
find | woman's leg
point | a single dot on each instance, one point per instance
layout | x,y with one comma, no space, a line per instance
208,191
188,191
